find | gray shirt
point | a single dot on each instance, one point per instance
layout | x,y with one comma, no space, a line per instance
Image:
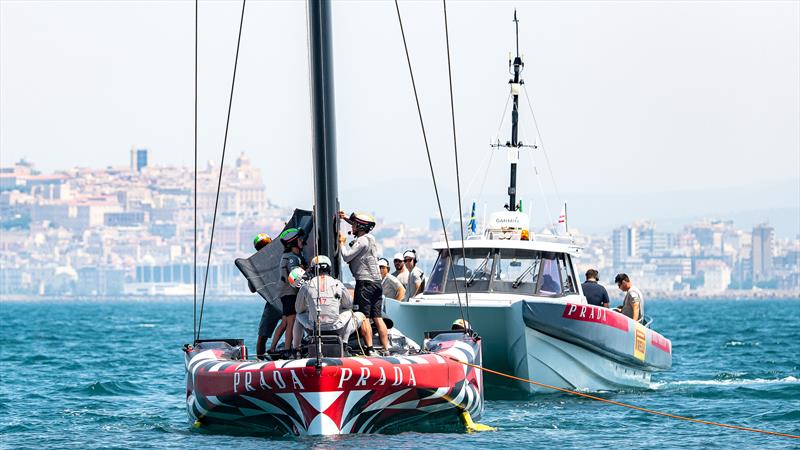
401,275
329,296
288,262
634,295
414,277
391,285
361,254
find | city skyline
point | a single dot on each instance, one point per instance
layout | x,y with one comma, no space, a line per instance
611,85
127,230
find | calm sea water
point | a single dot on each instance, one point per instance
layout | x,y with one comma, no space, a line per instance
110,375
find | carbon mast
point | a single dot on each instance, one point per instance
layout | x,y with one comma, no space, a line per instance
326,197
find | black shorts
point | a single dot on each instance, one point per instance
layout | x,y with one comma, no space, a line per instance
369,298
288,304
269,319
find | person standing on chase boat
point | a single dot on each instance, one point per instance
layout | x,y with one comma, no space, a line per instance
633,305
416,278
595,293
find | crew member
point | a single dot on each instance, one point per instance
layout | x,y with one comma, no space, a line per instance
261,240
361,254
392,287
459,325
633,305
400,271
272,312
595,293
292,240
325,298
416,278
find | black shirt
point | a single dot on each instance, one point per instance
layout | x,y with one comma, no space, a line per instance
595,294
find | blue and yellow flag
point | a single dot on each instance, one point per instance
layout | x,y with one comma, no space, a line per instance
473,224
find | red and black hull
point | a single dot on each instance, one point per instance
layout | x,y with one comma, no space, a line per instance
428,391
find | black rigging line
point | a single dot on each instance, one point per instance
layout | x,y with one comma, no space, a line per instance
428,151
221,167
455,150
194,273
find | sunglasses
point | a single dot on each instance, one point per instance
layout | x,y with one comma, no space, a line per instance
408,260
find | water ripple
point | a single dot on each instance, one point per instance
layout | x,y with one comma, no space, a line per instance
113,377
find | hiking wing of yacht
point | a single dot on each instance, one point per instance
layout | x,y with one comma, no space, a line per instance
525,297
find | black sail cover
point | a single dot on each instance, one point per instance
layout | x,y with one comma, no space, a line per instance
262,268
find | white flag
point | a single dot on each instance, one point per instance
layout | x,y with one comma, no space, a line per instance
562,221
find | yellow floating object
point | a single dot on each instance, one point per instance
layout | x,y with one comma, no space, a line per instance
472,426
197,424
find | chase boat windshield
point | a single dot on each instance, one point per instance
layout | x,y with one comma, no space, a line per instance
502,270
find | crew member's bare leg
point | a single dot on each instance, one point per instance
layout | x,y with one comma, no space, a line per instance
366,332
261,345
383,332
276,336
289,331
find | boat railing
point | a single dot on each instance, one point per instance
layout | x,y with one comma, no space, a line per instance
646,321
553,238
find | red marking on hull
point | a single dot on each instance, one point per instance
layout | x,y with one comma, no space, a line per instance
661,343
596,314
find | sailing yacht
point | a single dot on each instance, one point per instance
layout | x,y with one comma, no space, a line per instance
333,388
524,297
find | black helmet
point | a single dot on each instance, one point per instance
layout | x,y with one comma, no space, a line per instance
362,221
291,237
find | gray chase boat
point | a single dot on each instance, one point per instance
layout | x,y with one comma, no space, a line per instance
537,324
525,298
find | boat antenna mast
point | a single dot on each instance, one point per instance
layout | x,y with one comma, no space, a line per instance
515,66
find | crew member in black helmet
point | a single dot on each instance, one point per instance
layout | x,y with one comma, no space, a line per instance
361,254
292,240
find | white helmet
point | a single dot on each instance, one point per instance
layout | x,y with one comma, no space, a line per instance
296,277
321,263
362,221
398,256
410,254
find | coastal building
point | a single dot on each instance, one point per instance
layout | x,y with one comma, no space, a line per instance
139,158
115,230
624,245
716,276
762,251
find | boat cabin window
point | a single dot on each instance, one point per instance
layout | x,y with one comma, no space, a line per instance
567,275
513,271
551,280
517,271
474,272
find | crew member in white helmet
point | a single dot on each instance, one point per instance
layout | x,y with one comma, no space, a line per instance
361,254
416,278
325,298
400,272
392,287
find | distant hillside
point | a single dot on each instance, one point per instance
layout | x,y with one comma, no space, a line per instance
778,203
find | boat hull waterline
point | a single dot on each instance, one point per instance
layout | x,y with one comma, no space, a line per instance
558,343
427,391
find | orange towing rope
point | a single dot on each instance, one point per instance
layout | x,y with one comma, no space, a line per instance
638,408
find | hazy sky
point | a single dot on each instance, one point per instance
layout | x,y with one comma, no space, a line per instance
631,97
